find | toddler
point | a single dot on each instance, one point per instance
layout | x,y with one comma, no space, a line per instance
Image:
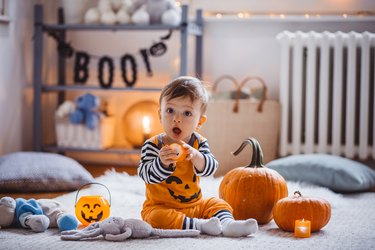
173,194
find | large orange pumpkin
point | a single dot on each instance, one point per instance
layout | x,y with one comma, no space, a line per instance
289,209
253,190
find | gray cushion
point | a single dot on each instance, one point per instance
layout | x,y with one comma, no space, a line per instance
334,172
41,172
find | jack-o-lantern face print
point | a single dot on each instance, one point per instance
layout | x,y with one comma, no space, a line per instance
91,209
187,188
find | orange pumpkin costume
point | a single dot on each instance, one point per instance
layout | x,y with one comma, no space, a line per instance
174,196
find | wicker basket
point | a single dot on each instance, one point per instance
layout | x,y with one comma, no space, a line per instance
79,136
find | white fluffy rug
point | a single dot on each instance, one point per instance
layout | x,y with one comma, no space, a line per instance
351,225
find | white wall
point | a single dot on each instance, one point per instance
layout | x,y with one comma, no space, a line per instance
249,47
285,6
16,60
231,46
14,51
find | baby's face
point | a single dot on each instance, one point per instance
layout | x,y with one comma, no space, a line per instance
180,117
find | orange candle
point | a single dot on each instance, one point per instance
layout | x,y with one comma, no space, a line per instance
302,228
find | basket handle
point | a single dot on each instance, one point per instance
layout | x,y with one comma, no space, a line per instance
234,81
223,77
259,79
240,86
90,183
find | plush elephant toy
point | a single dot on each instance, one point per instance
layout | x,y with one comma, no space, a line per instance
119,229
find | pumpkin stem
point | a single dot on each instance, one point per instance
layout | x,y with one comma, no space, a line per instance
259,153
297,193
257,158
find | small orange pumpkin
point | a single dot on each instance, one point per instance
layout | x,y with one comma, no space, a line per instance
253,190
93,208
290,209
181,152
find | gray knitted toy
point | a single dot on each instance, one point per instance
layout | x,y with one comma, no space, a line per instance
119,229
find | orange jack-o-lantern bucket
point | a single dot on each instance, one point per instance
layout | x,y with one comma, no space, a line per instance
93,208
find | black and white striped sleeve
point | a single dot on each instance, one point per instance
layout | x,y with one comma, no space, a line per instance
211,163
150,168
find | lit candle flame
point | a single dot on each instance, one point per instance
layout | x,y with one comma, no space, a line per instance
146,125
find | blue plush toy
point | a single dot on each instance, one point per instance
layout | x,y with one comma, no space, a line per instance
86,111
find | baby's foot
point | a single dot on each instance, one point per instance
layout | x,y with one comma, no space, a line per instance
210,226
239,228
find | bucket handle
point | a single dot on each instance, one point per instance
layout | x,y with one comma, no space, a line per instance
90,183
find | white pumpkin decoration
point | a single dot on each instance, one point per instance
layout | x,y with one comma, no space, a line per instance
108,17
92,16
171,17
141,16
122,16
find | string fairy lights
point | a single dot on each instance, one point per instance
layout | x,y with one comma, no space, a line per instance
288,16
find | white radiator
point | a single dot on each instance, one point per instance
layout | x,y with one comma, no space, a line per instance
327,93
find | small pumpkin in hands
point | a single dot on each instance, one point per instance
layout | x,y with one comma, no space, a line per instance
253,190
181,151
289,209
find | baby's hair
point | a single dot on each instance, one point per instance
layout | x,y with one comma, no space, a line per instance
186,86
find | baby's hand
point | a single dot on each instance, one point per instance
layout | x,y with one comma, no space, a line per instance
167,156
194,156
190,152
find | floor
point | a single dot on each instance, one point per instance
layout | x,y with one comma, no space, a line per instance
95,170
